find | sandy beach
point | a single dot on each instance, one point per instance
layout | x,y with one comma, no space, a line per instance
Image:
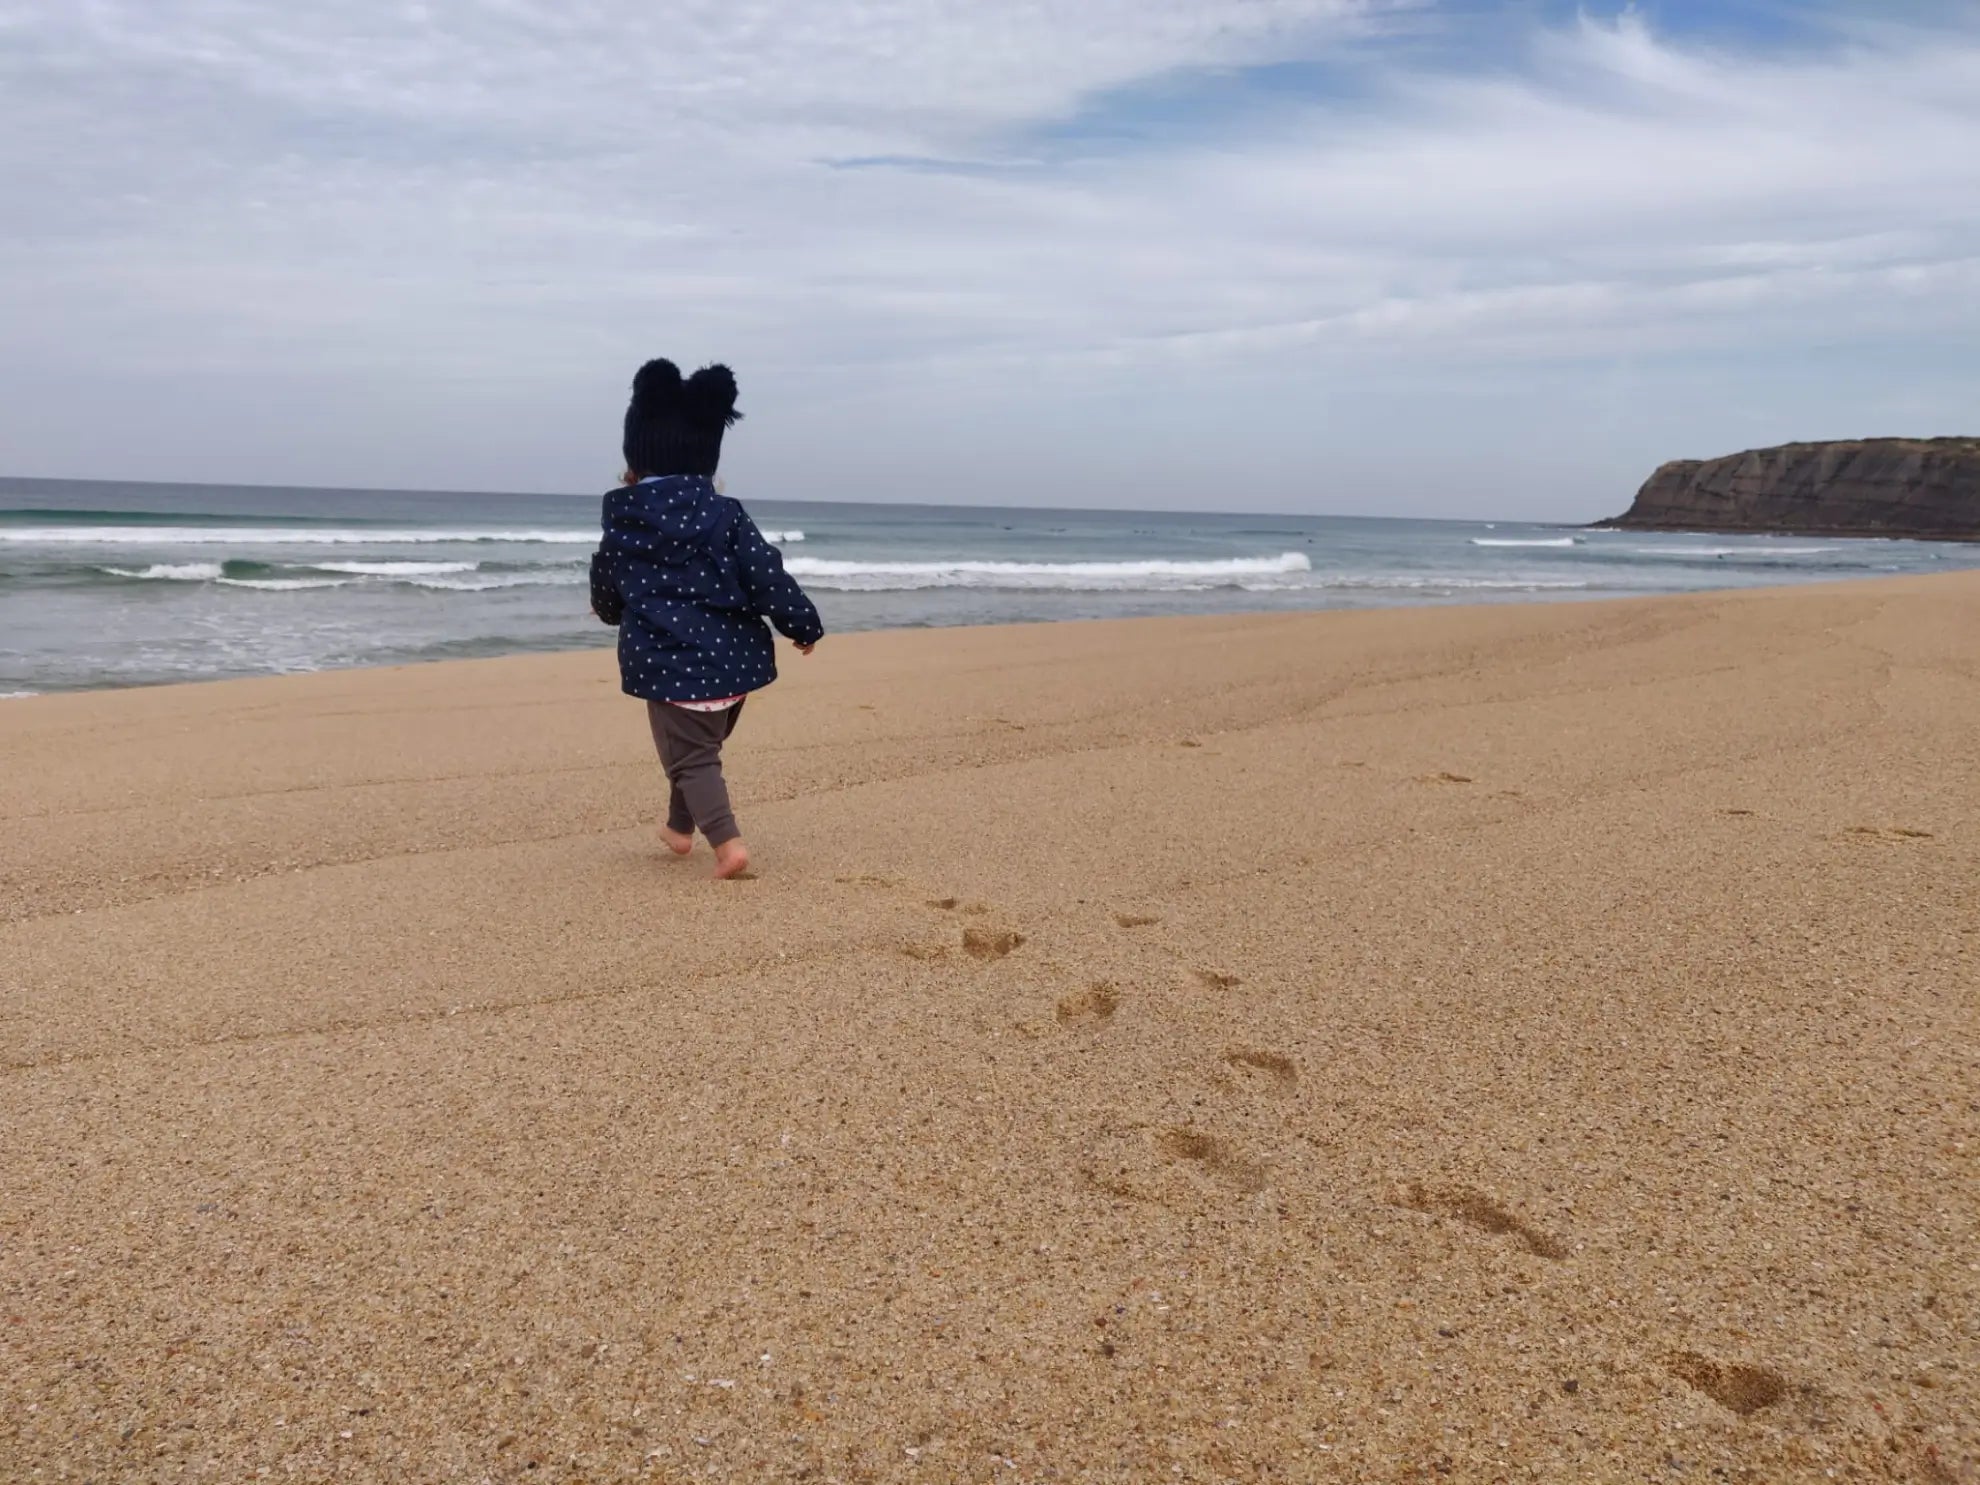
1529,1043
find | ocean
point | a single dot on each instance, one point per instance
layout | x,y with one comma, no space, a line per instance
123,584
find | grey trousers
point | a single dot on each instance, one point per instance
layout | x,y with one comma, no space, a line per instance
690,748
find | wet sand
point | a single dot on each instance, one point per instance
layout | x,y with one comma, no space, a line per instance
1526,1043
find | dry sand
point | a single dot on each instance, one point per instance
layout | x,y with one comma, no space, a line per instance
1535,1043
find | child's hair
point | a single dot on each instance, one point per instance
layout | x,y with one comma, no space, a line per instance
675,425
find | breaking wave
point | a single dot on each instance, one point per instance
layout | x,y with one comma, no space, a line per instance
395,569
169,572
278,577
853,576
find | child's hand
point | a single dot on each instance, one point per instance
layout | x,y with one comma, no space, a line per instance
807,649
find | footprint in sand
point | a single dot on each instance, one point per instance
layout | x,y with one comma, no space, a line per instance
867,881
1277,1069
1480,1211
1110,1183
1443,778
990,943
1092,1008
1741,1389
1217,980
956,904
1135,920
1216,1157
1885,832
1737,814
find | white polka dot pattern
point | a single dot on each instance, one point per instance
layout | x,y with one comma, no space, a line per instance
689,580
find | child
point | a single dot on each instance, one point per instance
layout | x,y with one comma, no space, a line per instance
689,580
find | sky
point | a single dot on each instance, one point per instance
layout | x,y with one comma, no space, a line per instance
1390,257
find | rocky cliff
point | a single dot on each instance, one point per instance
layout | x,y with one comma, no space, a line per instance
1920,487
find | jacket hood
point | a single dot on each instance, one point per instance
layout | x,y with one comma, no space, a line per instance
675,505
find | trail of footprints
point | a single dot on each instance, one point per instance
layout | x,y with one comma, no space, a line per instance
978,941
1738,1387
1091,1010
1734,1386
1888,834
1884,833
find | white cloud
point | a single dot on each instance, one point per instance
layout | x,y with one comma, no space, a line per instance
230,219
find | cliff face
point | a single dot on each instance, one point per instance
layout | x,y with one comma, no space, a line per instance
1921,487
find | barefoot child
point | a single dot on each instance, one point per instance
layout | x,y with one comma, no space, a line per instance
689,580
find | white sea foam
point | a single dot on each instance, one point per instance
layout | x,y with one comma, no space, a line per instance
395,569
1145,576
783,538
1507,541
216,572
16,695
169,572
1684,554
278,536
286,585
1442,584
484,582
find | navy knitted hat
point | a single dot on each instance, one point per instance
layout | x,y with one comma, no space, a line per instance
675,426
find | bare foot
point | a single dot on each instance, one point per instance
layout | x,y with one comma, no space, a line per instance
679,844
731,859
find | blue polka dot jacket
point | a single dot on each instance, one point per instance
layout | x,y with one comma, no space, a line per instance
689,580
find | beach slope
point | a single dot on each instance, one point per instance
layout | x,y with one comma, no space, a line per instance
1533,1043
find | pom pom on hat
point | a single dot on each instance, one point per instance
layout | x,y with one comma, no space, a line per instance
710,396
656,388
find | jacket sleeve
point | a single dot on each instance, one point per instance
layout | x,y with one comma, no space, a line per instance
606,601
773,592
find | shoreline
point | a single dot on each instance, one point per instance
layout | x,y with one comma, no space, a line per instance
96,602
1539,600
1526,1040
